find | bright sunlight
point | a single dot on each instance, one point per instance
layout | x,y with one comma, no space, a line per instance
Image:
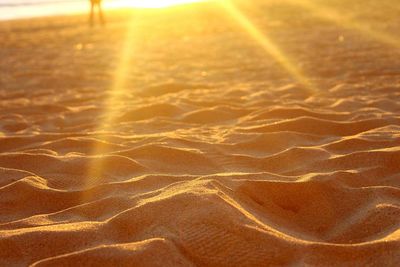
155,3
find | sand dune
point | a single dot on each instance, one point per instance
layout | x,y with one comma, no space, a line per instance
210,154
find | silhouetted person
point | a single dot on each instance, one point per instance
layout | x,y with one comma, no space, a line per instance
93,5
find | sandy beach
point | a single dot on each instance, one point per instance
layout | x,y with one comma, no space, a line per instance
174,137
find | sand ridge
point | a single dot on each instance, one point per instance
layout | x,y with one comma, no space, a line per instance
213,157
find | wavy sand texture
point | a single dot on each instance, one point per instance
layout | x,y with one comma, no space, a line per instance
209,154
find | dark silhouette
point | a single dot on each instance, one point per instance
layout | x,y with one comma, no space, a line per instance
93,5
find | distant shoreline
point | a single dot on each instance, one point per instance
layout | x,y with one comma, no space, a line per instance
55,8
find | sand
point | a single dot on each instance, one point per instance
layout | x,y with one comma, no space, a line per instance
189,145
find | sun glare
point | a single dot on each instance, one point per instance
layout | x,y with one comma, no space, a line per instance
155,3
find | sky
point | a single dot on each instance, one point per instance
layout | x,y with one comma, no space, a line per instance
13,9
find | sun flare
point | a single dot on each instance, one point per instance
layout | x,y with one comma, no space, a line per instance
155,3
267,44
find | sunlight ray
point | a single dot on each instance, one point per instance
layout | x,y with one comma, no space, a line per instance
335,16
115,95
267,44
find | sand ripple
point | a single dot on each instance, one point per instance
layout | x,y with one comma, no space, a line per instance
256,171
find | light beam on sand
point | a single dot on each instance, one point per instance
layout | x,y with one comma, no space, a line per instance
335,16
115,95
266,43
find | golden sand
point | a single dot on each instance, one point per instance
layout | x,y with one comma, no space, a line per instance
189,137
